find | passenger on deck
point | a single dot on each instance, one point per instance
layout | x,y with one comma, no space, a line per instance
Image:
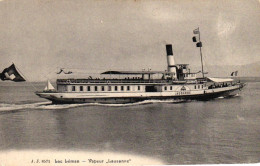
163,77
213,86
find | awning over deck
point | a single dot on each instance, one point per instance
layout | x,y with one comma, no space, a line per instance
135,72
220,79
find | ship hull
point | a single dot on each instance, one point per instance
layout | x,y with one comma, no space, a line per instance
122,98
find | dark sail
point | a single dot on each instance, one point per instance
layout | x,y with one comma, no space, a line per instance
12,74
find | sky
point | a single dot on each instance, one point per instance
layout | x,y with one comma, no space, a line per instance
94,36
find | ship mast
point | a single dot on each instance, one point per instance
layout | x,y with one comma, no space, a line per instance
199,44
201,56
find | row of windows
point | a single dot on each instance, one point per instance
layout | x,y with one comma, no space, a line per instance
103,88
168,88
195,87
122,99
198,87
189,75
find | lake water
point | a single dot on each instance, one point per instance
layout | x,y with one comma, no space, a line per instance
224,130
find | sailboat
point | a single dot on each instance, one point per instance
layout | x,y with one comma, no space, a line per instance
49,87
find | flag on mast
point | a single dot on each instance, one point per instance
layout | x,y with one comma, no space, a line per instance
11,73
196,31
61,70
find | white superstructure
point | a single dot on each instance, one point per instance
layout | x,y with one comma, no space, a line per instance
131,86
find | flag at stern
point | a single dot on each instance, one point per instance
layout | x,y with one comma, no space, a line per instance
196,31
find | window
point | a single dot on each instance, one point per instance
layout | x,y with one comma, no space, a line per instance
81,88
128,88
202,86
170,87
165,88
109,88
122,88
95,88
138,87
88,88
195,87
102,88
198,86
115,88
73,88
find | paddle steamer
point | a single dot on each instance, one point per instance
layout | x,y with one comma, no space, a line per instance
175,83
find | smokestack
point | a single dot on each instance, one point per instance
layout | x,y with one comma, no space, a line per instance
170,60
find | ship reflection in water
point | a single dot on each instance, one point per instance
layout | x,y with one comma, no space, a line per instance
201,132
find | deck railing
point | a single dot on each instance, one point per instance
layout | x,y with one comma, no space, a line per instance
68,81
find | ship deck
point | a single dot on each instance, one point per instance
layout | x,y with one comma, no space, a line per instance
130,81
